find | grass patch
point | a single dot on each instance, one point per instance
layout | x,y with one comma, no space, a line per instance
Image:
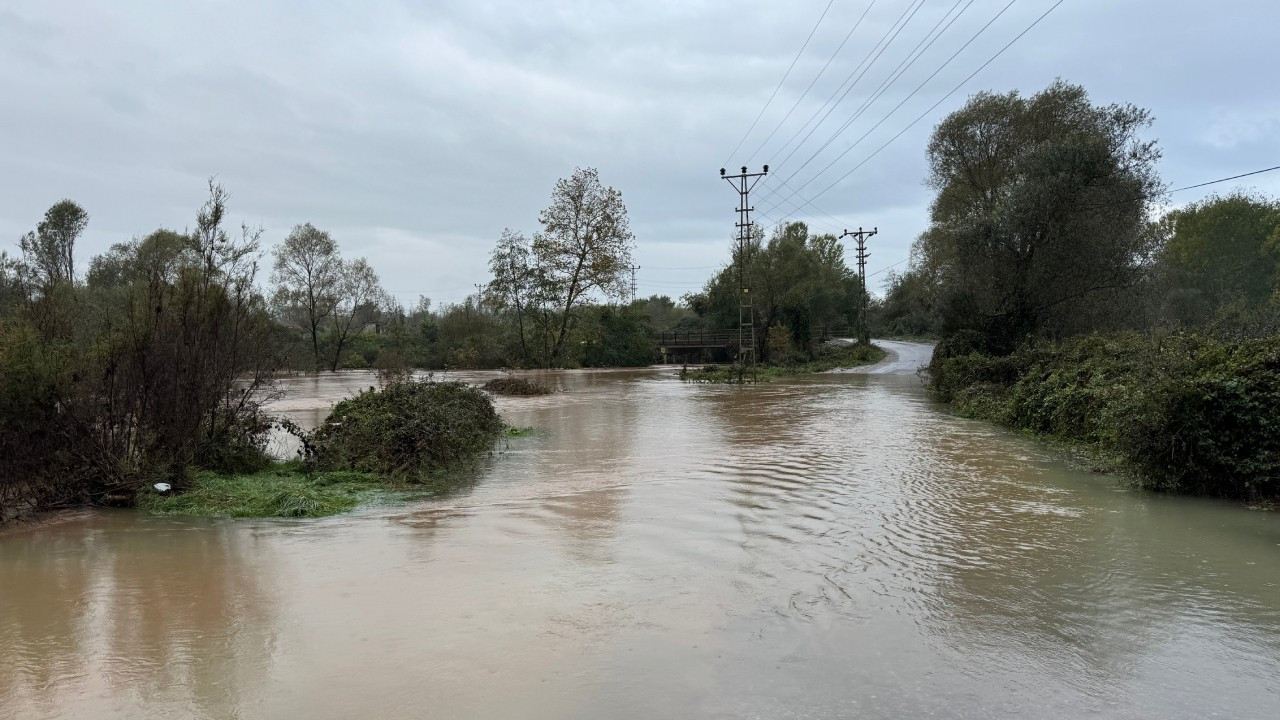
829,358
283,491
515,432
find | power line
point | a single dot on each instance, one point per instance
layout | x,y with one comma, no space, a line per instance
780,82
940,100
1145,197
916,53
888,268
860,71
1227,179
920,87
896,74
800,99
1162,193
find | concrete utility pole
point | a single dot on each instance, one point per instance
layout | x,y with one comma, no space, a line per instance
743,183
634,268
864,334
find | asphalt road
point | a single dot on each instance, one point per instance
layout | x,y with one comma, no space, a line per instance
901,358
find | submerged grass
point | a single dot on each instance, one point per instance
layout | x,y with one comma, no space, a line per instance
285,490
829,359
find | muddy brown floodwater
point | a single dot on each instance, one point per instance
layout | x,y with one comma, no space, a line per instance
829,546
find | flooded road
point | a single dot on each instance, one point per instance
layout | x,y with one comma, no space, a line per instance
828,546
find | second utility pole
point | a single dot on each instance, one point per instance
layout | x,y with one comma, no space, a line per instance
864,333
742,183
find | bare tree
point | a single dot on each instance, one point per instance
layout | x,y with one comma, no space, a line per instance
309,273
360,302
585,246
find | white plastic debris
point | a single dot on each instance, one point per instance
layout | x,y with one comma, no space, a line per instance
162,487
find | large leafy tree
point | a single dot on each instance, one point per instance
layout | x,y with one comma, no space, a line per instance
798,282
584,248
309,277
1040,221
1220,252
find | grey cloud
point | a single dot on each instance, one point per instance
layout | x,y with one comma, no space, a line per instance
416,131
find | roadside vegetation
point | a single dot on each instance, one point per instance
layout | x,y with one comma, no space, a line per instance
1071,306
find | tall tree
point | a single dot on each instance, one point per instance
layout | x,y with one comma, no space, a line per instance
1040,221
515,280
309,275
585,247
798,282
50,250
359,305
1223,250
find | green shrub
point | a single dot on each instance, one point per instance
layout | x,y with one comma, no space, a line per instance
516,386
1186,413
409,429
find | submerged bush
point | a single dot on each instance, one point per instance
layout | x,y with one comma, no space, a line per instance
516,386
409,429
1184,413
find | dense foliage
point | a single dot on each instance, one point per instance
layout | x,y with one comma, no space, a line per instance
156,362
829,356
799,287
410,429
516,386
1184,413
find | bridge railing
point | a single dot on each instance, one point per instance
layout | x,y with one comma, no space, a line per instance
697,338
729,338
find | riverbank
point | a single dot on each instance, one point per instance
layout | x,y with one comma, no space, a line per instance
1183,414
410,436
648,517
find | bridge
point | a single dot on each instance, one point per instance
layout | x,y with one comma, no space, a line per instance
697,346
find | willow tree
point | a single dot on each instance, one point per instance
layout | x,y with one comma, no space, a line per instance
50,250
308,275
584,249
515,281
1040,221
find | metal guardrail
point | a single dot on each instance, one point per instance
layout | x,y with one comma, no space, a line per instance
697,339
729,338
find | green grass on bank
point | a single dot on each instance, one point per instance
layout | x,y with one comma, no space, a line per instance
284,490
288,490
830,359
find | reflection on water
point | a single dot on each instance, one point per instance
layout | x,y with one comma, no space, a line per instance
832,546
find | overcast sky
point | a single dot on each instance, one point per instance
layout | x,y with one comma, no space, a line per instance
416,131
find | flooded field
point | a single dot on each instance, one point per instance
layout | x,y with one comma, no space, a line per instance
827,546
